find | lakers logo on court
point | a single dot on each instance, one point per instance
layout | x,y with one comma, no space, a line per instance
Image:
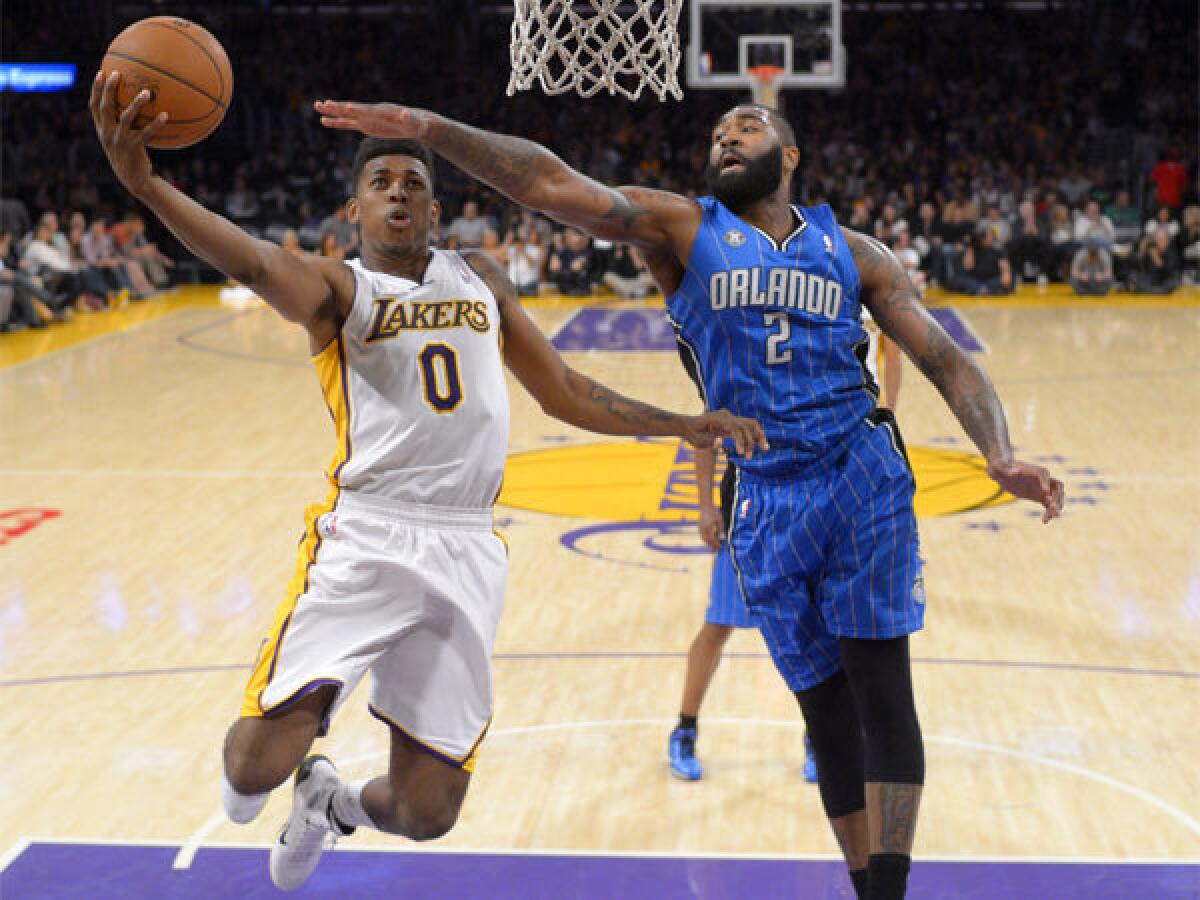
646,489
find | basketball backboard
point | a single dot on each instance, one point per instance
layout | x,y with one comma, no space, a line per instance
729,38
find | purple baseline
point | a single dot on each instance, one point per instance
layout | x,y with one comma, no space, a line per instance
48,871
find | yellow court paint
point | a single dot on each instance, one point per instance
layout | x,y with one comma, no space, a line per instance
26,345
1061,295
654,481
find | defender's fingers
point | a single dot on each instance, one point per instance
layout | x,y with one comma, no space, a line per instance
342,124
337,109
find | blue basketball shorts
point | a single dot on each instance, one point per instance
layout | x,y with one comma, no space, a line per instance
725,603
831,552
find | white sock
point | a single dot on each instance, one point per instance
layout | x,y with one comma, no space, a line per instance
347,804
241,808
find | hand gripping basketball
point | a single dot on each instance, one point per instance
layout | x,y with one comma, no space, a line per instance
380,120
124,144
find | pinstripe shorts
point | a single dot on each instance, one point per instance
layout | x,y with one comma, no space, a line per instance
831,552
725,603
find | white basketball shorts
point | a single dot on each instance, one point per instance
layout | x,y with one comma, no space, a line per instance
411,593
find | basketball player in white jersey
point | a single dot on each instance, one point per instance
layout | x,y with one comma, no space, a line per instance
399,571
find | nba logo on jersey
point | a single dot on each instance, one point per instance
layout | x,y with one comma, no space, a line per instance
744,508
734,238
828,244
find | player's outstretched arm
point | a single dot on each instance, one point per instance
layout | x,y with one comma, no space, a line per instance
531,175
578,400
302,290
898,310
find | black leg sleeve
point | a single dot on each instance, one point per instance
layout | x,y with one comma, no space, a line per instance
837,744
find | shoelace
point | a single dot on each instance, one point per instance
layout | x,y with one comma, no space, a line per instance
687,744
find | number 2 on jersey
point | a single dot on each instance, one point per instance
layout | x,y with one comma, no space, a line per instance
777,352
439,377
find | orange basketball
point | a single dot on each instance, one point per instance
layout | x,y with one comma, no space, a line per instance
184,68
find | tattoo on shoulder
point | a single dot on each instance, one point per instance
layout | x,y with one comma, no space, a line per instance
879,271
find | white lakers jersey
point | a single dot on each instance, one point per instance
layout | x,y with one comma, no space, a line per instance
415,384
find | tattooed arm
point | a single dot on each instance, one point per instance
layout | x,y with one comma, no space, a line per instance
898,310
531,175
578,400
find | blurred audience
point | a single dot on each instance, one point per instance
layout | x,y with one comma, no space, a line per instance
572,264
1092,269
1159,267
625,272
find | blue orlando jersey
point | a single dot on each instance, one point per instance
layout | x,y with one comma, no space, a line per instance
775,333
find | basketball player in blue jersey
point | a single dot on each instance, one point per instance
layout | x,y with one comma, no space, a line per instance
399,572
727,609
824,541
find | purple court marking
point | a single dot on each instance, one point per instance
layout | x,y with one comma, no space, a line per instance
616,330
957,328
50,871
186,340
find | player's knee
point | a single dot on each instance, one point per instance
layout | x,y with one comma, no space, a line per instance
246,770
419,823
431,825
244,775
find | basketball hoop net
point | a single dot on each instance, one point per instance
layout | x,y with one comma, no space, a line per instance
621,46
766,84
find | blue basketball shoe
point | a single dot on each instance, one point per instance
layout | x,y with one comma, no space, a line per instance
810,763
681,753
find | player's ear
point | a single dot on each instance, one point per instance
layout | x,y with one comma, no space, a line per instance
352,210
435,213
791,159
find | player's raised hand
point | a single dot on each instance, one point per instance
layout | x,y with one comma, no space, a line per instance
123,143
380,120
1029,482
709,429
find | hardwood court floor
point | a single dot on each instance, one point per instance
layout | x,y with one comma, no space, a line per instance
153,470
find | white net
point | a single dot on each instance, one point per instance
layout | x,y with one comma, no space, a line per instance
621,46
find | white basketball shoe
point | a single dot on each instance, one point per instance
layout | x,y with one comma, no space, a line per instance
311,828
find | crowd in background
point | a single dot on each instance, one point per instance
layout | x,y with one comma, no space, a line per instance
987,146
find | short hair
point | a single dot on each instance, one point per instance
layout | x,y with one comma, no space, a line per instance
783,127
370,148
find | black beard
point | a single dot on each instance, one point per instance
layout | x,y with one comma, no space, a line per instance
759,178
